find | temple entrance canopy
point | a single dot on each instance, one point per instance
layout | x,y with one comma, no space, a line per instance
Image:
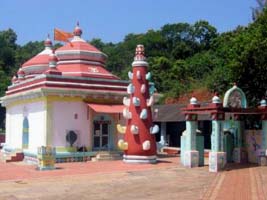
239,133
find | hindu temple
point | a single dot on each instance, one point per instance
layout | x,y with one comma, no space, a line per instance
64,98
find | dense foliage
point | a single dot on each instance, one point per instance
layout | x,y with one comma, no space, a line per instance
185,57
182,57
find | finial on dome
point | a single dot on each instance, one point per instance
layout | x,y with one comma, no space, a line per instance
140,52
234,84
77,31
140,59
52,70
53,59
48,42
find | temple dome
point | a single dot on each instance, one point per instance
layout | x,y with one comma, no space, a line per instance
79,58
39,63
79,49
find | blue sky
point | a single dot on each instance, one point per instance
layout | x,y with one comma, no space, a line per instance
111,20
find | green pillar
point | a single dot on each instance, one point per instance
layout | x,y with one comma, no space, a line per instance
238,142
217,156
163,129
191,127
190,154
263,152
216,136
237,158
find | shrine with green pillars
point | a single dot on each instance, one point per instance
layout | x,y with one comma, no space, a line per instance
239,133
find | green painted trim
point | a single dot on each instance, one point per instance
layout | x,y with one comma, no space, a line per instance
30,154
75,154
64,154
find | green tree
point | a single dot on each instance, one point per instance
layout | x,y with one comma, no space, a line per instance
259,9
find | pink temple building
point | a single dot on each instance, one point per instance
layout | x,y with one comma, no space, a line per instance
66,99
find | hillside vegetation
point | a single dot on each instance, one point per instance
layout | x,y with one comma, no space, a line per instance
182,57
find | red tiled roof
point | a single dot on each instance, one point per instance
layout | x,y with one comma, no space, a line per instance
201,94
37,60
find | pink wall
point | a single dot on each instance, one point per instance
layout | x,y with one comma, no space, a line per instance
70,116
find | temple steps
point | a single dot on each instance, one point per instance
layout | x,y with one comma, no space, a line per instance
11,157
107,155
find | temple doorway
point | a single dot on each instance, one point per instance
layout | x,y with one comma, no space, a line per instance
101,136
102,133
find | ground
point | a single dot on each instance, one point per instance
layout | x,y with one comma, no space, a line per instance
117,180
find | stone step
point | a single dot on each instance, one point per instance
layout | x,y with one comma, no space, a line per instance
12,157
101,156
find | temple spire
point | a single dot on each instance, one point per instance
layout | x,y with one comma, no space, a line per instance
77,30
48,42
139,59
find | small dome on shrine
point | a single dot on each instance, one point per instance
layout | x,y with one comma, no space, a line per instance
216,99
14,79
263,103
21,74
193,101
53,59
39,63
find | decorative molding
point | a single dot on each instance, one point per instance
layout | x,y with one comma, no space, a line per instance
139,63
56,93
80,61
56,83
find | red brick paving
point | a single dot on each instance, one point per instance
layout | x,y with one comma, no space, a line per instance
18,171
244,182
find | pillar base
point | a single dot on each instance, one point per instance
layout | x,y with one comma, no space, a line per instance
262,161
190,159
237,155
240,155
217,161
262,157
45,168
140,159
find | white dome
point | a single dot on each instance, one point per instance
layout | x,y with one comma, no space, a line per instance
193,100
216,99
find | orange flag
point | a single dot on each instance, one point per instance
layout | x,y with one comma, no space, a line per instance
60,35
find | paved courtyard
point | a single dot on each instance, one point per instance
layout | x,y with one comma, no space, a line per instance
117,180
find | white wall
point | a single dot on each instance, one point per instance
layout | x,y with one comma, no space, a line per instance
14,124
37,121
64,119
7,138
